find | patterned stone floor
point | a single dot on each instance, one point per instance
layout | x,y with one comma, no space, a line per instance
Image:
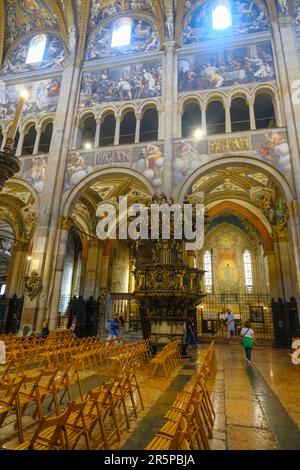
257,407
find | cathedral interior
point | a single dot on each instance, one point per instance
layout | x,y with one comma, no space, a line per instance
153,101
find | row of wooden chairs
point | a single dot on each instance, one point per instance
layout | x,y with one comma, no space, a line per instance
168,358
80,418
190,420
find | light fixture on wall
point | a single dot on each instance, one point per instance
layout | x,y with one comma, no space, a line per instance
199,134
88,146
9,163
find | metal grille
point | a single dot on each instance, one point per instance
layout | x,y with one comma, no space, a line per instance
254,307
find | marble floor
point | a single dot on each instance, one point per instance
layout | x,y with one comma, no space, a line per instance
257,407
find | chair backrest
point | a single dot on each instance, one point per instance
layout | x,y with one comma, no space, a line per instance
54,427
10,390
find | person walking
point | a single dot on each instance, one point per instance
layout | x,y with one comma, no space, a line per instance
121,325
248,340
113,329
230,323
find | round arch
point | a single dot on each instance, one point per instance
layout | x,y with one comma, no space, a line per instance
229,160
70,198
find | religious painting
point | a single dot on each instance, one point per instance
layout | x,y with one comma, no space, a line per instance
256,313
247,17
78,167
132,82
188,156
149,160
275,150
43,97
34,171
24,16
101,10
228,276
226,68
144,38
53,57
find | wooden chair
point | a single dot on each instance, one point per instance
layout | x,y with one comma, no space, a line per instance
9,403
48,435
76,425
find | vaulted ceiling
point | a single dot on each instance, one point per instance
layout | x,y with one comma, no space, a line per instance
73,18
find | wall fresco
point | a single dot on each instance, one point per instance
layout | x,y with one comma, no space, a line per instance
53,57
226,68
247,17
43,97
271,147
34,171
144,38
147,159
24,16
132,82
100,12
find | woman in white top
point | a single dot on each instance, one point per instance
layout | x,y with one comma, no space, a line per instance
248,340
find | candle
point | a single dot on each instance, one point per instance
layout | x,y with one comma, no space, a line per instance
13,128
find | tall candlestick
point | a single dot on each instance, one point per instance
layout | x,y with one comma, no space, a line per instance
14,127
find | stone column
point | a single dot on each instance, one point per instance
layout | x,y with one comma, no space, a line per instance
160,125
227,118
46,239
77,134
91,268
168,106
20,145
273,274
179,124
37,141
117,130
97,135
137,128
203,119
252,114
104,272
63,233
17,269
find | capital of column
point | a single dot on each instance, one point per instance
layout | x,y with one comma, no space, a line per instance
250,101
99,121
138,116
65,222
169,46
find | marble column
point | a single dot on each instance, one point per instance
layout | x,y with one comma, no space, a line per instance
137,128
252,114
77,135
47,235
169,109
91,268
117,130
97,135
227,118
20,145
273,274
37,141
17,269
203,119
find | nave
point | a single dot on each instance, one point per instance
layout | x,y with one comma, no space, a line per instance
115,396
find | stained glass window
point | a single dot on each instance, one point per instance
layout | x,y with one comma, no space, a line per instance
121,35
36,49
208,280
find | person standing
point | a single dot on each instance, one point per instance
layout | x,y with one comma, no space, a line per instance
112,330
121,326
248,340
230,324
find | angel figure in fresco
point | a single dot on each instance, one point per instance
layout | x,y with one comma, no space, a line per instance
142,32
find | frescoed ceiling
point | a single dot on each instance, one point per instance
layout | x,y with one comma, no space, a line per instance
73,19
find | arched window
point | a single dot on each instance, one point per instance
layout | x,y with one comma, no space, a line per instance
191,119
121,35
221,15
239,114
88,133
264,111
127,128
215,118
36,49
29,141
248,271
46,137
149,125
207,264
107,130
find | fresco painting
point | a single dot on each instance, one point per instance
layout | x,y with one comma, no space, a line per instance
127,83
53,57
144,38
100,12
271,148
148,160
247,17
226,68
43,97
34,171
